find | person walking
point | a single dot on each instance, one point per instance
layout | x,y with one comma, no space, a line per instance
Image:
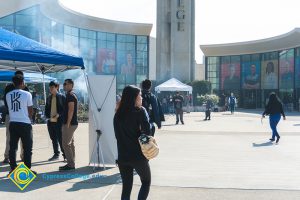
20,110
10,87
54,111
274,109
232,102
70,124
208,106
152,105
178,103
130,121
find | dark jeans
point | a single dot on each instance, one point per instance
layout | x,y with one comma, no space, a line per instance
143,170
179,112
24,131
207,114
232,108
35,110
55,132
152,129
274,119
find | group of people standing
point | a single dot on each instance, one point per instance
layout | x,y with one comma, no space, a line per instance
61,111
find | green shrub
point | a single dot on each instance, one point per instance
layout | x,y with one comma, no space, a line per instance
204,98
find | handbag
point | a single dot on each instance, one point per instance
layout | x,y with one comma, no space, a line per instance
149,146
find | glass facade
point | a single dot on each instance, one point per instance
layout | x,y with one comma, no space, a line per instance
126,56
252,77
212,72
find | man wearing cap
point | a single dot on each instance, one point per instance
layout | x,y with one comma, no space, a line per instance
54,110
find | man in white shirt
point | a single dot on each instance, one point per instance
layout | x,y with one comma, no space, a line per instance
20,110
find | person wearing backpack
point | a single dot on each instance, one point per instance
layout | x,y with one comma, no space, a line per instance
152,105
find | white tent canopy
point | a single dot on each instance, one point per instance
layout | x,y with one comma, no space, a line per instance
173,85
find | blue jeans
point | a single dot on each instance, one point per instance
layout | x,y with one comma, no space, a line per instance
274,119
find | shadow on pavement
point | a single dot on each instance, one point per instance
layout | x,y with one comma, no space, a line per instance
44,180
6,167
265,144
96,182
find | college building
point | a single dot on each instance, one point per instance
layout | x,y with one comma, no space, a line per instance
108,47
254,69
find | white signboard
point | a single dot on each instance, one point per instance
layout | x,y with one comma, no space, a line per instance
102,94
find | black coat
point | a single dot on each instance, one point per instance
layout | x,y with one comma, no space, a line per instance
127,131
60,102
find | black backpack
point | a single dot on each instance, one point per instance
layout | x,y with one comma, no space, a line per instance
147,103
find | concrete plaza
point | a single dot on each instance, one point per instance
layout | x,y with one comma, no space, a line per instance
228,157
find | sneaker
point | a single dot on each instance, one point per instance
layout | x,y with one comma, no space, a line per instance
9,173
55,157
277,140
66,168
272,140
6,160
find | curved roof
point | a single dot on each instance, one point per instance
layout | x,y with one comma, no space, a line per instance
57,12
281,42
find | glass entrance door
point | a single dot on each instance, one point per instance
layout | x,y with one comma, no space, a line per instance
250,99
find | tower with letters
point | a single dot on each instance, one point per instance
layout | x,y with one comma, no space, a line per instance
175,40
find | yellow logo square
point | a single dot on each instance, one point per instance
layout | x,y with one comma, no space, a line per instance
22,176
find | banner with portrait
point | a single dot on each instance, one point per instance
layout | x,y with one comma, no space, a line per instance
251,75
230,76
106,61
126,67
269,74
286,69
297,72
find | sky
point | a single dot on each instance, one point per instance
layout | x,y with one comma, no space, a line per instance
217,21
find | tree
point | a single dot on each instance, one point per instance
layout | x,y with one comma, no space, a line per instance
200,88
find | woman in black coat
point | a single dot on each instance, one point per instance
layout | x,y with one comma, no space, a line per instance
130,121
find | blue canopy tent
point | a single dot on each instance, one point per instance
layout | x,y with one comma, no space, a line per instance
6,76
20,53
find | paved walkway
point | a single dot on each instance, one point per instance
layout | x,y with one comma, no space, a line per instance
228,157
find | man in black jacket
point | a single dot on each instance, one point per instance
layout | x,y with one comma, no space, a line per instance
152,105
54,112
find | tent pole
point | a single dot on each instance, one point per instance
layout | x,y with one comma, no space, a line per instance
44,87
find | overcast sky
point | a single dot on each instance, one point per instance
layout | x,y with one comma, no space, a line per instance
217,21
